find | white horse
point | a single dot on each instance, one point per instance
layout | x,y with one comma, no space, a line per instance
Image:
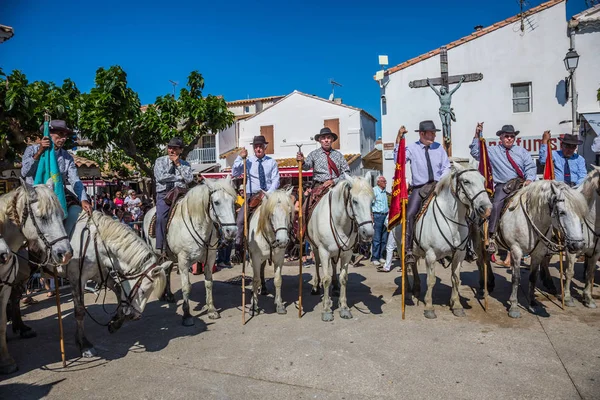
268,237
8,273
590,189
30,214
527,227
442,231
341,218
109,252
206,212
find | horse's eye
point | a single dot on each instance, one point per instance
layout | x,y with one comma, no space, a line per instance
562,213
217,203
467,182
354,201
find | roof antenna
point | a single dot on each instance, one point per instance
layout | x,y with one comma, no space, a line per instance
333,85
174,86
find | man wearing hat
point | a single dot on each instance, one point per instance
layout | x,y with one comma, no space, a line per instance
428,163
508,162
262,174
569,167
170,171
59,132
328,164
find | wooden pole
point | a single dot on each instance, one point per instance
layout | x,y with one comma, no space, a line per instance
244,245
562,284
402,258
60,324
300,233
486,260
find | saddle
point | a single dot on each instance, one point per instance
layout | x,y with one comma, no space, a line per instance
427,193
310,203
254,202
510,188
176,197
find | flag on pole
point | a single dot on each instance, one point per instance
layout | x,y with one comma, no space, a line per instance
399,186
549,167
485,167
48,169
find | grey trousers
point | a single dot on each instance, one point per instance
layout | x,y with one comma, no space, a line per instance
162,214
498,203
412,209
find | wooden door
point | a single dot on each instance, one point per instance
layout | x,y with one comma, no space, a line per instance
267,132
334,125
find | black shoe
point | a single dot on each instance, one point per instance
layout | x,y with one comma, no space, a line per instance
409,260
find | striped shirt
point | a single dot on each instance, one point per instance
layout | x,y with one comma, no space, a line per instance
317,161
168,175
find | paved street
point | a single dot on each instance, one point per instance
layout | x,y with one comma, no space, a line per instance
374,355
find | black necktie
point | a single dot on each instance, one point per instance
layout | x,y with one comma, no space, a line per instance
567,172
262,179
429,167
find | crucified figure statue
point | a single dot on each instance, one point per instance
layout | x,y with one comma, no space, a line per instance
446,112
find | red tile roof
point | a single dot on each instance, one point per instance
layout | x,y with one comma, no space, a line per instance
251,101
474,35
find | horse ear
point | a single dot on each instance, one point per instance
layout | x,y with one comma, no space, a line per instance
29,190
369,176
210,183
265,193
349,178
289,191
228,179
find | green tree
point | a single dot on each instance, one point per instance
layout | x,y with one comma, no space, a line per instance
111,117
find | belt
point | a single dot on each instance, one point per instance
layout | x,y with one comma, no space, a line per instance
383,213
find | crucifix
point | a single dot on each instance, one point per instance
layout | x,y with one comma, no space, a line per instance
445,94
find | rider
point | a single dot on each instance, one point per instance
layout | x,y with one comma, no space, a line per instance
58,134
170,171
509,162
568,166
328,164
428,163
263,174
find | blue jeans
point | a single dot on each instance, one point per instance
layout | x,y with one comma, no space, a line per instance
380,237
224,254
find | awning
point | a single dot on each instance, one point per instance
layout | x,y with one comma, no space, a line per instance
593,119
283,173
373,160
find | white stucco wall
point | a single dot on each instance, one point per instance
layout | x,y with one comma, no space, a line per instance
297,119
504,57
587,44
368,134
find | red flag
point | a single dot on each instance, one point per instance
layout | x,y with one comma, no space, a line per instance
485,167
549,167
399,186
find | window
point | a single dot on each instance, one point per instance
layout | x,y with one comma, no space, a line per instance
268,133
334,125
247,110
208,141
521,97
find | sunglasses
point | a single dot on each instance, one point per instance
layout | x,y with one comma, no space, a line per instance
509,136
570,146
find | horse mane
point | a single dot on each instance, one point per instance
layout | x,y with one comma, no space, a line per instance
198,197
47,203
445,183
539,193
122,241
590,184
268,207
358,186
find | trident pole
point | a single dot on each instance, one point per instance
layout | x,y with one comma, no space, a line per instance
300,233
244,246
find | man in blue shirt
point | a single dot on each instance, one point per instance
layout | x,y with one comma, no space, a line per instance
508,162
428,163
568,166
263,174
380,210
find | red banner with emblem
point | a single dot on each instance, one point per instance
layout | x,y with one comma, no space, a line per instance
485,167
549,167
399,186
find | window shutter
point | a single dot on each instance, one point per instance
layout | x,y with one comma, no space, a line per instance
334,125
267,132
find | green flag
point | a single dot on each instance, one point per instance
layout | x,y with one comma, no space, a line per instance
48,169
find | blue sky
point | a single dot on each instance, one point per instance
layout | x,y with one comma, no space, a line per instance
243,48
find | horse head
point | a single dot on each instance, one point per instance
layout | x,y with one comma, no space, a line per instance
277,214
358,206
39,215
568,208
469,187
590,188
222,206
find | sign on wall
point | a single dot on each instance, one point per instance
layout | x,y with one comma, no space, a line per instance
530,143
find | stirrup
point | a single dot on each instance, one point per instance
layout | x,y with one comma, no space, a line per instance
409,259
492,248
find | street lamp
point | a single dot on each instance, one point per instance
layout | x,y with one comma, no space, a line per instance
571,61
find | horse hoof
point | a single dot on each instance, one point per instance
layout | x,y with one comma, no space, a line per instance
459,312
514,313
89,353
281,310
27,333
430,314
569,302
168,297
327,316
345,313
214,315
9,369
187,321
590,304
315,291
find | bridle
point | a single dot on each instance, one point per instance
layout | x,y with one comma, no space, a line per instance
460,187
21,221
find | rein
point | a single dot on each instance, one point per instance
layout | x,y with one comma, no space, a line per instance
11,276
341,244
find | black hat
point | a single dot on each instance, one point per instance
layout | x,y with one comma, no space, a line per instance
176,142
507,129
427,126
259,140
570,139
57,125
326,131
